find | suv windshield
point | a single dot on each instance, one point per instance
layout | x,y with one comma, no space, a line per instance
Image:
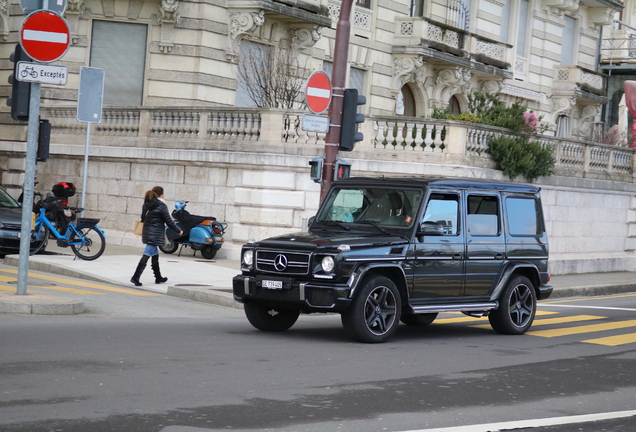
394,207
6,201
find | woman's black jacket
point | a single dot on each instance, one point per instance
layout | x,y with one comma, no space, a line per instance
154,215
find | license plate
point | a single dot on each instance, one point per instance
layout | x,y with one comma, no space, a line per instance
67,213
271,284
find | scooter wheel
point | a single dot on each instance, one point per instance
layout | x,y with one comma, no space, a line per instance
170,247
208,252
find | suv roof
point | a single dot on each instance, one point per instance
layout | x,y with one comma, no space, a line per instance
456,183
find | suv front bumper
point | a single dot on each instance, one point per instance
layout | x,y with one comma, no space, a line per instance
307,296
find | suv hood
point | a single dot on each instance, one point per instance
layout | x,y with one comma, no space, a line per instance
11,215
311,241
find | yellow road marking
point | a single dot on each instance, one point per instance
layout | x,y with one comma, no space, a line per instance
84,284
69,290
583,329
469,318
558,320
14,289
613,340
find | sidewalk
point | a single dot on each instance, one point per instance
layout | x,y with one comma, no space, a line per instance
192,277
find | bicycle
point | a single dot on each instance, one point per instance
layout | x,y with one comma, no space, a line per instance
86,239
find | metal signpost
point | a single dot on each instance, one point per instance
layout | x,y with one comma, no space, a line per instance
89,109
45,37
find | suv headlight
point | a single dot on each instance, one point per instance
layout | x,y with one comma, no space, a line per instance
327,264
248,257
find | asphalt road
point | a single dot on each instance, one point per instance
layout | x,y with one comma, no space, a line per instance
158,363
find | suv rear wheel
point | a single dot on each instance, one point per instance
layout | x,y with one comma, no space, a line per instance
517,307
418,320
270,319
374,314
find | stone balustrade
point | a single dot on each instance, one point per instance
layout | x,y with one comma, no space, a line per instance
281,131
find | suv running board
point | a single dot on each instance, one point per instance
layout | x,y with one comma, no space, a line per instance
456,307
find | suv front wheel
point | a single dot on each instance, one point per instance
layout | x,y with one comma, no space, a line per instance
270,319
374,314
517,307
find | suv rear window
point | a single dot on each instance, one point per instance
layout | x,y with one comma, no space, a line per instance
522,216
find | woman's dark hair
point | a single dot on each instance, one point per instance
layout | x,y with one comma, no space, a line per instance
158,190
150,195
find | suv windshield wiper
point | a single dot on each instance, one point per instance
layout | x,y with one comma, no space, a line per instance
340,224
375,224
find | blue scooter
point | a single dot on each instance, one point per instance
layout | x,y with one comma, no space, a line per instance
201,233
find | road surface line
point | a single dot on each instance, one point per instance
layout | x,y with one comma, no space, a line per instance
522,424
68,290
558,320
469,318
614,340
85,284
590,307
568,331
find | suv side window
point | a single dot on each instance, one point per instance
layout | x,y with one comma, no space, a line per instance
443,209
522,217
483,215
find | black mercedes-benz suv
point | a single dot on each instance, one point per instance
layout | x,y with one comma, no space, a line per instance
381,251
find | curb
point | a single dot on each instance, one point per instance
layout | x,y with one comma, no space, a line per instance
592,290
204,293
40,304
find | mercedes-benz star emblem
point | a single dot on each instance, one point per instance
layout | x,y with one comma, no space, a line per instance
280,262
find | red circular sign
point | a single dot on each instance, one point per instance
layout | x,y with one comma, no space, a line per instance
45,36
318,92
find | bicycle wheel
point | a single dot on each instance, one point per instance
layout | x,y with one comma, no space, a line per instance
39,239
93,242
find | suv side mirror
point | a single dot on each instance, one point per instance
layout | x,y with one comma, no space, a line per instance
430,228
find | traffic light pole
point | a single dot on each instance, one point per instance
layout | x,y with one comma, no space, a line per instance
29,176
338,78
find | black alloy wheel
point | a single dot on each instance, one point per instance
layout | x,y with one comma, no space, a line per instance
373,315
517,307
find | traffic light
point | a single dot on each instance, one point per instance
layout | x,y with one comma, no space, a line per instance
315,170
350,119
44,140
21,90
342,169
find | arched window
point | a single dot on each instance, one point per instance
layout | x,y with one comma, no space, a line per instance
405,102
453,106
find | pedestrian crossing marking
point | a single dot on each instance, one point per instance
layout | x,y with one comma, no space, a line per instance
557,320
68,290
82,284
470,319
613,340
568,331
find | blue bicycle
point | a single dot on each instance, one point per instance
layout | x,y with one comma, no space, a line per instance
86,239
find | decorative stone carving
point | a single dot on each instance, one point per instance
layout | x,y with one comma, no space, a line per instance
563,106
600,16
169,18
75,10
242,25
302,38
108,6
561,6
588,112
4,19
408,69
134,7
456,77
492,86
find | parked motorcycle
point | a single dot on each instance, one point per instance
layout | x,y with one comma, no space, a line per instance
201,233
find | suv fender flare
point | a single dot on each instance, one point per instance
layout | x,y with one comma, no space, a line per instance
358,274
505,277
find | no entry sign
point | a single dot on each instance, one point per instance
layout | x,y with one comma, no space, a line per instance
45,36
318,92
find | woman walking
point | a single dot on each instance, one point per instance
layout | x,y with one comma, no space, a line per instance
155,216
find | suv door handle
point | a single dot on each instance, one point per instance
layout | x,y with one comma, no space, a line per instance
458,256
499,256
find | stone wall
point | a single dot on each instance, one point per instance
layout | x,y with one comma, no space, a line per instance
591,223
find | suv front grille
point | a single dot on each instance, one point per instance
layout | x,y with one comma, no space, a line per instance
282,262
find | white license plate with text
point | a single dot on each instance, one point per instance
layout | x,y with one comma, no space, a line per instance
271,284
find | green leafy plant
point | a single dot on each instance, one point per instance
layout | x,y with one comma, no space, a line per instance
515,154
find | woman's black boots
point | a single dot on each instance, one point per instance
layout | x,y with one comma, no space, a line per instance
154,263
140,269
